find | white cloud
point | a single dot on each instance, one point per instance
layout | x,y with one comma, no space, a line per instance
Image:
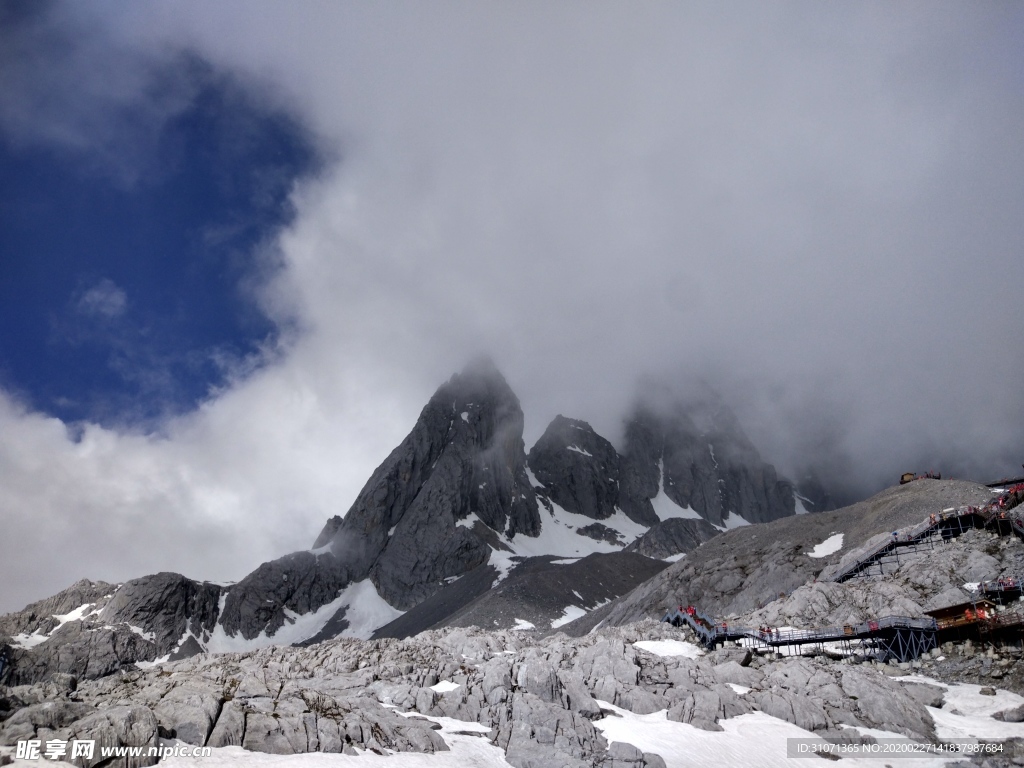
105,299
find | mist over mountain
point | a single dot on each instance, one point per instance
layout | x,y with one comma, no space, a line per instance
239,257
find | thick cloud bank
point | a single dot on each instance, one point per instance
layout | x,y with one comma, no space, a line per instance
815,209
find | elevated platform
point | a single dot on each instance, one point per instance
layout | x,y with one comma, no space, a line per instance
897,637
892,637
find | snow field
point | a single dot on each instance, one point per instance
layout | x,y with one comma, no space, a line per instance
754,740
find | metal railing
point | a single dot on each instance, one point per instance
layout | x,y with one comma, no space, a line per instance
941,522
712,633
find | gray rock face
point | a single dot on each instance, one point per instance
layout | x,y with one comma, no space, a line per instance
167,605
82,649
813,495
578,467
95,628
743,572
39,617
540,591
712,468
300,582
672,537
464,457
640,475
118,726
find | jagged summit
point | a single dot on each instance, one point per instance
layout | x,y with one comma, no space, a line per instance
578,468
699,458
408,529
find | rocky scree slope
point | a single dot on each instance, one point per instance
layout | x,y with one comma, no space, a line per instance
742,571
542,699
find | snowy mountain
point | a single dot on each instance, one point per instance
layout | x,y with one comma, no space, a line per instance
458,525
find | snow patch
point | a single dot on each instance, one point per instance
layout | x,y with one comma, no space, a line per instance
523,624
670,648
829,546
155,663
731,522
565,561
569,613
739,689
558,535
367,612
444,686
666,509
503,562
465,416
25,640
674,558
974,720
151,636
78,613
579,450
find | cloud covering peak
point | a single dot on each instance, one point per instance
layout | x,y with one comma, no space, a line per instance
814,210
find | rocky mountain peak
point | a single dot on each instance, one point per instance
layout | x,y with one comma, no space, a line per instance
697,454
428,511
578,467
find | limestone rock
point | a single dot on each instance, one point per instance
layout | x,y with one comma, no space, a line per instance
118,726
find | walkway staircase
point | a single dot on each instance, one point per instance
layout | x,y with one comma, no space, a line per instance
941,526
893,637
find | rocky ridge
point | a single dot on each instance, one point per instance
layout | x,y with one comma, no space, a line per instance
743,571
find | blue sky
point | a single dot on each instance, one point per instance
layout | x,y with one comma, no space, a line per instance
242,243
129,297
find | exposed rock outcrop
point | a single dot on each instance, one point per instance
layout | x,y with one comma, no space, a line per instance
712,468
578,467
673,537
407,529
743,570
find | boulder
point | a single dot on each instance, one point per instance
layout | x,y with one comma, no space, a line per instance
118,726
